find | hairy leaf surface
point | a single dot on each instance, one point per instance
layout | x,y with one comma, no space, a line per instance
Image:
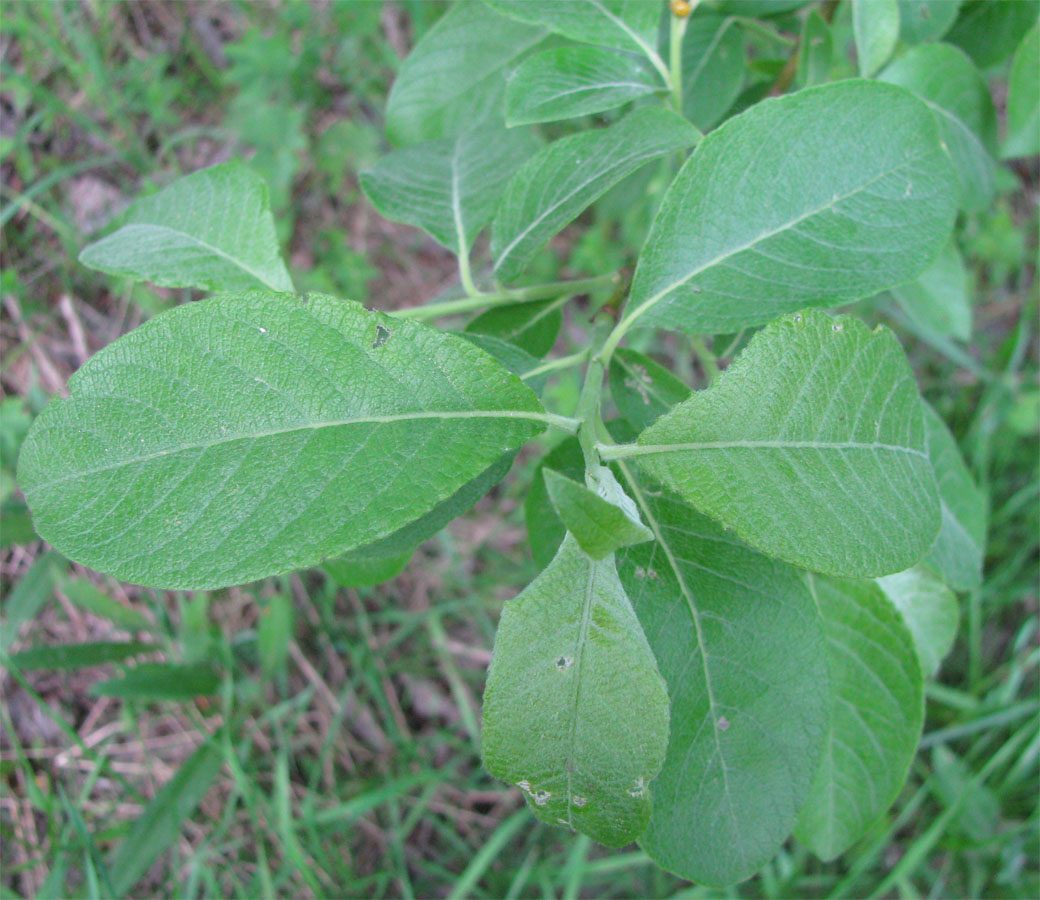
456,74
712,68
553,187
876,714
576,81
740,645
817,198
811,446
929,609
575,711
642,389
252,434
449,186
960,548
875,24
212,229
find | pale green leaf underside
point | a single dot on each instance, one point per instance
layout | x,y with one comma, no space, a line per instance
875,25
576,81
814,199
212,229
449,186
623,24
811,446
575,711
545,531
455,76
938,300
642,389
713,68
876,716
599,526
1023,102
929,609
947,80
740,646
254,434
959,550
553,187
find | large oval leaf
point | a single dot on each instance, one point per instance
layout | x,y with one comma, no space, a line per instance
877,696
740,646
254,434
811,446
818,198
575,711
212,229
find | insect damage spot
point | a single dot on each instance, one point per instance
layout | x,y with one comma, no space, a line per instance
837,326
579,801
541,797
638,788
564,662
722,724
382,336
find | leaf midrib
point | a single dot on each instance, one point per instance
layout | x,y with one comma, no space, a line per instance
583,637
210,247
359,420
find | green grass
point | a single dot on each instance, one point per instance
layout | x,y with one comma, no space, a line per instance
337,753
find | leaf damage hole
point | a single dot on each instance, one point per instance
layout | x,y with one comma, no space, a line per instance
382,337
579,801
837,326
261,329
722,724
638,788
647,573
541,797
563,663
796,318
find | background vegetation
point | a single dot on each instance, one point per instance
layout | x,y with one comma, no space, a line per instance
336,754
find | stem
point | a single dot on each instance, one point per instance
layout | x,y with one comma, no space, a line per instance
705,356
501,298
678,29
588,403
553,364
466,274
564,423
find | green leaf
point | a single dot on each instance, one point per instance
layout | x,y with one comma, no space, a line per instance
601,521
451,186
159,827
960,548
944,78
212,229
853,196
250,435
455,76
712,68
553,187
816,55
938,300
575,711
643,390
514,358
929,609
1023,100
532,326
623,24
79,656
84,595
361,568
811,446
989,32
926,20
26,598
740,646
162,681
566,82
875,24
274,632
877,711
545,529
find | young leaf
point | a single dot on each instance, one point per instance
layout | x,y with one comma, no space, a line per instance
158,828
162,681
253,434
575,711
875,24
740,646
545,530
959,550
816,55
817,198
929,609
876,714
455,76
531,326
623,24
601,521
938,300
811,446
79,656
926,20
553,187
450,186
643,390
1023,101
212,229
712,68
944,78
576,81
